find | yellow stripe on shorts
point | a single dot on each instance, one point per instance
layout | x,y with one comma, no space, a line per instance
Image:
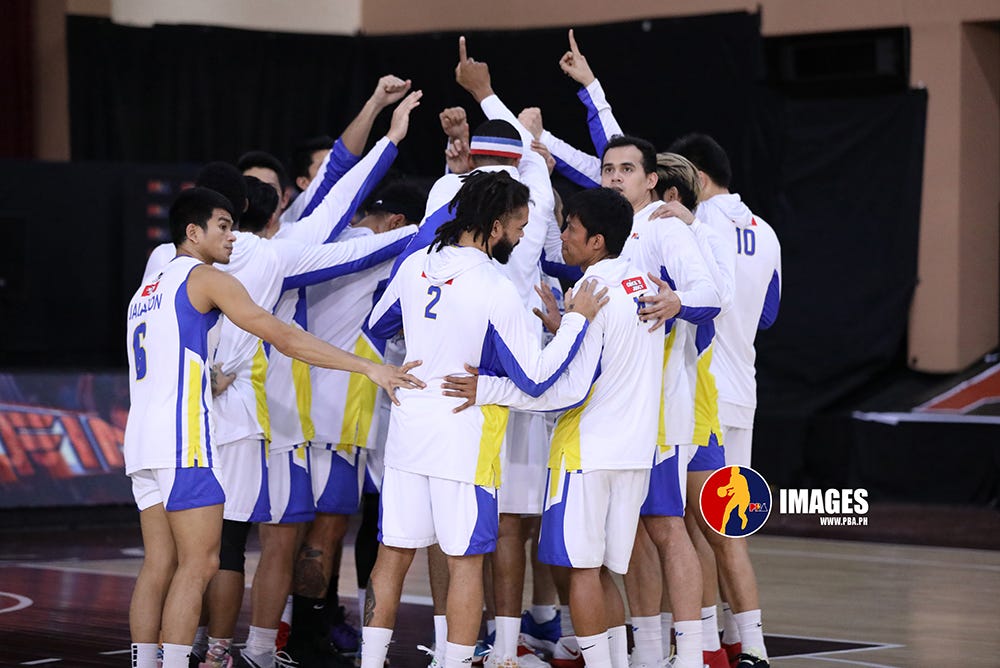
494,428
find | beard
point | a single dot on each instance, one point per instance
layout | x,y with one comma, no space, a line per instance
501,250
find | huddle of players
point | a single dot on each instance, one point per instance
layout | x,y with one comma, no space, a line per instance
634,394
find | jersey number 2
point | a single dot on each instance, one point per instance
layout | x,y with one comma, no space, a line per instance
138,338
435,292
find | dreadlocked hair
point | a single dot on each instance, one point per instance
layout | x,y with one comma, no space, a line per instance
483,198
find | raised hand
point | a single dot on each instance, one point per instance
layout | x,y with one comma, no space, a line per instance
471,75
389,90
574,64
400,124
456,156
454,123
660,307
585,300
389,377
531,119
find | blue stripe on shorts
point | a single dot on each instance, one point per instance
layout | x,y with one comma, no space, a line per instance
484,535
341,495
551,542
300,506
194,488
711,457
664,495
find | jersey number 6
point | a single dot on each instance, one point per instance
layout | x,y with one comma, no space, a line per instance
435,292
138,338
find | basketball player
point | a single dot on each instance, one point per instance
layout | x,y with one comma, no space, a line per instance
168,443
602,447
440,477
755,306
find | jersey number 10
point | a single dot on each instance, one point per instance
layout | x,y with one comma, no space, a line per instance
746,241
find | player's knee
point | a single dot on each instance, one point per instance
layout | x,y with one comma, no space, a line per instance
232,551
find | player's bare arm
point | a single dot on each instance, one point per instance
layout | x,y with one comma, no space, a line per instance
210,288
389,90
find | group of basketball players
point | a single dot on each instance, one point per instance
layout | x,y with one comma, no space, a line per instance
504,417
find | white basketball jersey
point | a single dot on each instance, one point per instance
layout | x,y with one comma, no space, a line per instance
169,422
756,296
668,249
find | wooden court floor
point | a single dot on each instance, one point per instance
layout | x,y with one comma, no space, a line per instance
64,600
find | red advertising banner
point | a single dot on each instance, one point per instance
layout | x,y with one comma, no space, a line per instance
61,439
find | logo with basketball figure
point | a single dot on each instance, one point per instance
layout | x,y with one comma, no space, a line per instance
735,501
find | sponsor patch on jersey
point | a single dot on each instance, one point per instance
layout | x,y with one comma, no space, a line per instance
635,235
634,284
150,289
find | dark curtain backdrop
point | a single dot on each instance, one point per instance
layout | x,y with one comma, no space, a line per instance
840,181
184,93
17,88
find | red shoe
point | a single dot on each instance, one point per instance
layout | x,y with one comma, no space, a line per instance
732,652
284,628
715,659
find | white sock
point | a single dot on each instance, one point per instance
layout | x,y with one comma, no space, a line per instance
596,650
687,634
374,646
648,648
508,629
543,613
666,624
362,594
730,632
709,630
440,637
751,633
618,646
200,645
566,621
144,654
175,656
457,656
286,613
260,645
491,626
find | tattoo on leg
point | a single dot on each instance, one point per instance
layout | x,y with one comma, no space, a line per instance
369,603
309,579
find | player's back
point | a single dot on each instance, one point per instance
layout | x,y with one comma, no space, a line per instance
755,302
444,300
167,339
615,427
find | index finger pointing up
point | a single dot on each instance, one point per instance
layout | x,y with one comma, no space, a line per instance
462,57
572,43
